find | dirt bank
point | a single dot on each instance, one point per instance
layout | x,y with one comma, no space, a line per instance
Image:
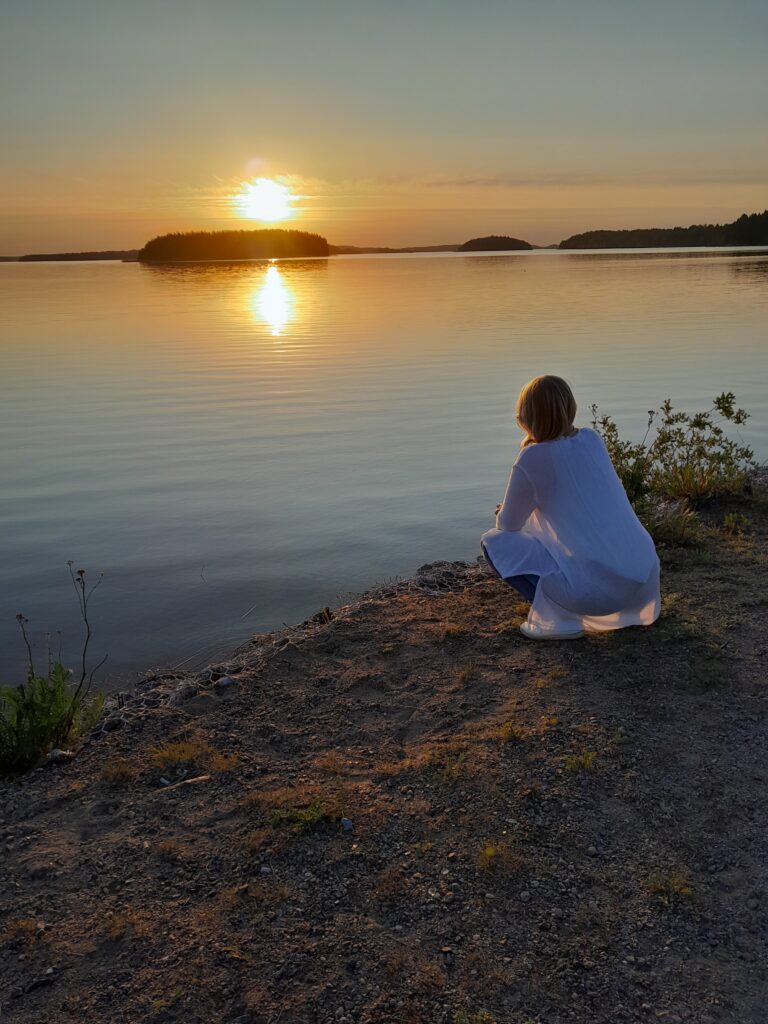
573,832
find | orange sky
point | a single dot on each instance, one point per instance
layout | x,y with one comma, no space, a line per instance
398,124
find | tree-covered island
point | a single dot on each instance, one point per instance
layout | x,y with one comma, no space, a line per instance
494,243
270,243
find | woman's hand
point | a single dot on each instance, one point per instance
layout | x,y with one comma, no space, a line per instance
498,508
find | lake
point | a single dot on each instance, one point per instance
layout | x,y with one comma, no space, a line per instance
236,445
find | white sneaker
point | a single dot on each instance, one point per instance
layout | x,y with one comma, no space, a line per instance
536,633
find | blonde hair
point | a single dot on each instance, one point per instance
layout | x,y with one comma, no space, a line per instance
545,410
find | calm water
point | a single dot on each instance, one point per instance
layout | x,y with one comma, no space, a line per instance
235,446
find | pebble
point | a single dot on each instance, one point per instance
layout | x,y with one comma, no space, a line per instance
57,756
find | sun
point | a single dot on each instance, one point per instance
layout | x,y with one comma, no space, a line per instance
264,199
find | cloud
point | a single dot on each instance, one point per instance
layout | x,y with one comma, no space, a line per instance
570,179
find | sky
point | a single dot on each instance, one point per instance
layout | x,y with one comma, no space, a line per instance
397,122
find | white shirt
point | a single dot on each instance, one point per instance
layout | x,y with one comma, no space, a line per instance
567,519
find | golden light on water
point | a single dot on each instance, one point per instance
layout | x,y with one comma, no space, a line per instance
265,200
273,301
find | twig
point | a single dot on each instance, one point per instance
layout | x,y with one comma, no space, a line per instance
185,782
22,621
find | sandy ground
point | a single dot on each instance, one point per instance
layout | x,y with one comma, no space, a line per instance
571,832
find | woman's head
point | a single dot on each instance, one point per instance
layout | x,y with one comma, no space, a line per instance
545,409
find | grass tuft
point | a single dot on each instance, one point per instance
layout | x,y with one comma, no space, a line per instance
498,858
581,762
670,888
118,772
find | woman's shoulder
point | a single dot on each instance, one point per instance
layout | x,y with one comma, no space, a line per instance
588,434
531,457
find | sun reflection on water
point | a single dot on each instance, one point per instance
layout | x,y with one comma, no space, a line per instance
273,301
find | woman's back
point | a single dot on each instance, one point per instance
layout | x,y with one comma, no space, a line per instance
582,504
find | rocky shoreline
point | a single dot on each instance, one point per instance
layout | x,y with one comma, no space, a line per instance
403,811
126,708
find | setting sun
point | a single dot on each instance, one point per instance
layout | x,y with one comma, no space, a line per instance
264,199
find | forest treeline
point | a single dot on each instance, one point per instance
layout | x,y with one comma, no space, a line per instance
107,254
269,243
749,229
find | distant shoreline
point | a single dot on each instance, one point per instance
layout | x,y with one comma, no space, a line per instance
411,251
749,231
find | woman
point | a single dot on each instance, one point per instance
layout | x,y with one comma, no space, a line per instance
566,535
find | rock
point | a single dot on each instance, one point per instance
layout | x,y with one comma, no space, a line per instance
60,756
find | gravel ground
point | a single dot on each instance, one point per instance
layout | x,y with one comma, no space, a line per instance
403,811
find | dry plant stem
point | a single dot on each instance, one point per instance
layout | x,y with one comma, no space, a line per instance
86,679
22,624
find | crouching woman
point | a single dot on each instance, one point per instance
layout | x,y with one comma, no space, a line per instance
566,536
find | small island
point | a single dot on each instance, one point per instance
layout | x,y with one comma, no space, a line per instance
494,243
201,246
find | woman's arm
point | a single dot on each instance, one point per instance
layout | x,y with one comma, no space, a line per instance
519,502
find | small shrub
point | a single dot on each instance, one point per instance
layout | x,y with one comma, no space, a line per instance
192,751
509,732
222,762
689,457
332,763
463,1016
44,713
670,888
422,848
671,522
449,765
170,850
498,857
735,524
582,762
119,772
304,819
466,673
49,710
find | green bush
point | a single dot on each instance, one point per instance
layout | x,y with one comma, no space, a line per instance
49,711
40,715
688,459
